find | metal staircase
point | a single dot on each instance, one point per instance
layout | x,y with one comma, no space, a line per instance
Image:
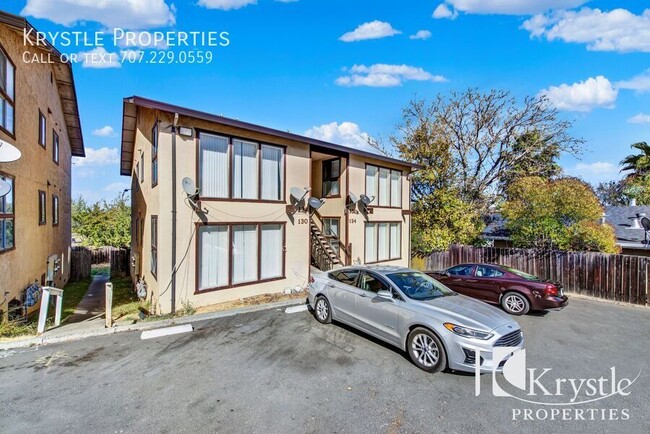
322,255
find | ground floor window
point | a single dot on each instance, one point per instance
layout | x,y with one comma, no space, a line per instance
236,254
383,241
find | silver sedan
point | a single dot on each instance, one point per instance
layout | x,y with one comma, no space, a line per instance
438,327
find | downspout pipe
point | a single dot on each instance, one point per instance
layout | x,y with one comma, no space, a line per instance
173,288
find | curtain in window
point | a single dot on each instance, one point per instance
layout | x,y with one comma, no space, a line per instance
213,262
395,240
214,167
371,244
245,170
244,254
395,189
10,81
272,173
371,183
383,240
384,175
271,256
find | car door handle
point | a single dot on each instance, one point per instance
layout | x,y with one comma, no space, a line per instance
362,295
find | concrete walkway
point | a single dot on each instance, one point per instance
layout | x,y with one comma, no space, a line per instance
92,305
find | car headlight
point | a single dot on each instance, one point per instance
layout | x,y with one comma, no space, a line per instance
467,332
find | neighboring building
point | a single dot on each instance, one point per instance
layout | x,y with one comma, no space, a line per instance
626,221
38,115
630,234
243,237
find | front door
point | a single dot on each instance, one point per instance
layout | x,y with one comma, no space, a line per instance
378,316
460,278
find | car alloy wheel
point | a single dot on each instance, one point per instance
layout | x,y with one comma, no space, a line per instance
322,310
515,304
426,350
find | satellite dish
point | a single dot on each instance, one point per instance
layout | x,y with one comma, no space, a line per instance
8,152
189,187
5,188
645,222
352,198
298,194
367,200
315,202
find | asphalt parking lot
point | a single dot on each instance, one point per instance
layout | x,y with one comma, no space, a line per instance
272,372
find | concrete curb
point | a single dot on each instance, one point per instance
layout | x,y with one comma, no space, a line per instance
46,339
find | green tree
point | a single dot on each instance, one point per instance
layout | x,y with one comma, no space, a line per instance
471,140
611,193
556,214
639,163
103,223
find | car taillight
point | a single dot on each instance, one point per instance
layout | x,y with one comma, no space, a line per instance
311,279
551,290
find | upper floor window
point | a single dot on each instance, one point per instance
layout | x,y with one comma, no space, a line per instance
244,172
55,210
154,155
7,216
331,175
385,185
55,147
239,169
42,207
42,129
7,92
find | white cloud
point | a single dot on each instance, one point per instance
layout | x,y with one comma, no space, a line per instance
106,131
598,171
372,30
130,14
512,7
617,30
443,11
582,96
226,5
640,83
641,118
98,157
99,58
345,133
383,75
421,34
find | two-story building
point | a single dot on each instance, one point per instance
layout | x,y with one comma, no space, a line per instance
268,205
40,117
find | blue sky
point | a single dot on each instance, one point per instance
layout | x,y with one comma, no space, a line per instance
291,65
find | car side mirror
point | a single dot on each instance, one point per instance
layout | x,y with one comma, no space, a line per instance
386,295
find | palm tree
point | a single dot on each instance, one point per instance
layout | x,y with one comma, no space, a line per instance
638,163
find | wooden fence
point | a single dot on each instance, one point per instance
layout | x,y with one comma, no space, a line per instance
83,258
613,277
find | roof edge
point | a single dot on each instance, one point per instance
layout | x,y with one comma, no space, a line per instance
171,108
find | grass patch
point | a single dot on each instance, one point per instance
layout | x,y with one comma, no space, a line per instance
126,305
72,295
100,270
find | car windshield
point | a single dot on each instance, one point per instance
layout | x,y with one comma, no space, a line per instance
522,274
419,286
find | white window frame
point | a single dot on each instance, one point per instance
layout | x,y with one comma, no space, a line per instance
375,255
375,188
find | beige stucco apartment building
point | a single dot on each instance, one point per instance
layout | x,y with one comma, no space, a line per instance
243,234
39,116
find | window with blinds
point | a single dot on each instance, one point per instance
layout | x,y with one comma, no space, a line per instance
383,241
239,169
384,186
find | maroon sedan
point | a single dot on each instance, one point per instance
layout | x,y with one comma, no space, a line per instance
517,292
